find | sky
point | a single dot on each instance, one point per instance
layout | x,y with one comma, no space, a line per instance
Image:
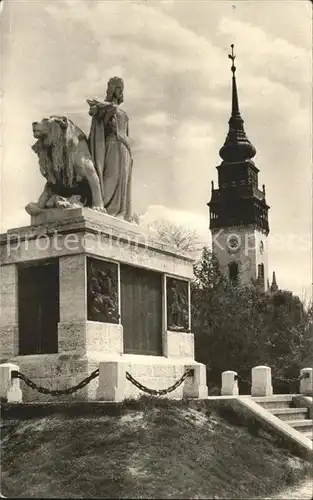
173,58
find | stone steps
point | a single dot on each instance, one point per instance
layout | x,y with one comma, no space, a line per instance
303,425
280,405
275,402
288,414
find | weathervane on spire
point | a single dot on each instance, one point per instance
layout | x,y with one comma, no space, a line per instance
232,57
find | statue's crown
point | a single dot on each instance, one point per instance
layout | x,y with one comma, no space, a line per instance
116,80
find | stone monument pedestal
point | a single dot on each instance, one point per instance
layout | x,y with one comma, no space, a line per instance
81,289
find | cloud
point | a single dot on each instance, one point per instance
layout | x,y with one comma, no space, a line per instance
284,61
194,136
158,119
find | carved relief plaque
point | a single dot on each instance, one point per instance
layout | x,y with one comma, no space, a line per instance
102,291
177,305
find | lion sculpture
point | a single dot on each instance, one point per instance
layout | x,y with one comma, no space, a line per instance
66,163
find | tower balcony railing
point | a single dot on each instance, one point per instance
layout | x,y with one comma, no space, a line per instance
239,190
220,221
258,193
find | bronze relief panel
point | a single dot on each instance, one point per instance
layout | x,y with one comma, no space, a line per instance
177,305
102,291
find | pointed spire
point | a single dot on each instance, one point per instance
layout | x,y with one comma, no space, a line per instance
274,286
234,104
237,146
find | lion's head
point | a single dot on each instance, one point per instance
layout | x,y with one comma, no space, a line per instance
58,138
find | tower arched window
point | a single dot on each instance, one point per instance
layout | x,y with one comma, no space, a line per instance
261,271
233,272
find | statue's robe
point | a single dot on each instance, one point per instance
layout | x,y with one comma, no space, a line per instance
110,151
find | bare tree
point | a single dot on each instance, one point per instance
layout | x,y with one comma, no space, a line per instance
177,235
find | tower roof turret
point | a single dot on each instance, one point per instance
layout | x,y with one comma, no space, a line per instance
274,286
237,146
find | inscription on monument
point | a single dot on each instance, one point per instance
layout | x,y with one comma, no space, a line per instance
102,291
177,305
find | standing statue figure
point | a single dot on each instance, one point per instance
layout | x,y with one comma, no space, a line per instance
175,309
110,150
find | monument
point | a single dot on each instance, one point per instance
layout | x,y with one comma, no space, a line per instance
83,286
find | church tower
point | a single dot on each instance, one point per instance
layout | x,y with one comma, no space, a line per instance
238,209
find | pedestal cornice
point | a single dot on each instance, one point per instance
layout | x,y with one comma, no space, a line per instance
78,220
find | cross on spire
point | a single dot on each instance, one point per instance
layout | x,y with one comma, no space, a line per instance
235,103
237,146
232,57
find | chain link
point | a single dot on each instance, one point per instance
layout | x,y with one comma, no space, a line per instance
292,380
277,379
240,379
160,392
57,392
286,380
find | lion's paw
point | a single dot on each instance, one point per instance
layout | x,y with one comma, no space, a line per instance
99,209
62,204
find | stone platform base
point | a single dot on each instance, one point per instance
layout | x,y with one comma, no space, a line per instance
61,371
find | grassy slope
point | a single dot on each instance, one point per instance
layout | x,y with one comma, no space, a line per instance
150,450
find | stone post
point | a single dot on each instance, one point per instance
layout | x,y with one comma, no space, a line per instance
112,381
195,386
229,383
306,381
261,381
9,389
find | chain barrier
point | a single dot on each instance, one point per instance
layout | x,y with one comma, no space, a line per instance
93,375
56,392
277,379
240,379
154,392
291,380
160,392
